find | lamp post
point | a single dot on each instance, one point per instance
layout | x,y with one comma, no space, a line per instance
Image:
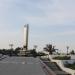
67,49
11,46
11,49
35,46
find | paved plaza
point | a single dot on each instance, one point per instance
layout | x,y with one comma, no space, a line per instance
20,66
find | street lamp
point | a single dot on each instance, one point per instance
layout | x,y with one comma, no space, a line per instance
11,46
35,46
67,49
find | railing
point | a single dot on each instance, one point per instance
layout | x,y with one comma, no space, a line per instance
61,65
46,69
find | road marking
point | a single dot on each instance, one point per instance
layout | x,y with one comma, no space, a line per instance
8,62
23,62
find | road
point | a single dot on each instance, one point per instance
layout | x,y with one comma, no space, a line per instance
21,66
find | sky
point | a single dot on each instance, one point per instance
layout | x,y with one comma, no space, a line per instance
50,22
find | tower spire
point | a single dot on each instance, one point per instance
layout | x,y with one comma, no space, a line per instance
26,31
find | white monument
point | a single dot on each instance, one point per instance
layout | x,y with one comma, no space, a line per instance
26,30
24,51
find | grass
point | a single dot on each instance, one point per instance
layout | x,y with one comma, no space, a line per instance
62,58
71,66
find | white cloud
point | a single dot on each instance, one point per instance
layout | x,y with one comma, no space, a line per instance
7,38
56,13
64,33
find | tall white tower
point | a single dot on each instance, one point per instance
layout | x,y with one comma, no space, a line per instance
26,31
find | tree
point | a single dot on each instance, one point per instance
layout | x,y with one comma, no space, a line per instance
41,54
49,48
17,50
10,52
72,52
34,53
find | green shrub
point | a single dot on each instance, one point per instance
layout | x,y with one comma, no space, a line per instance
62,57
71,66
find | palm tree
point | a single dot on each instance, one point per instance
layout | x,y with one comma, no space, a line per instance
49,48
72,52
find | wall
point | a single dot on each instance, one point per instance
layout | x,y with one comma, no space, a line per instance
61,65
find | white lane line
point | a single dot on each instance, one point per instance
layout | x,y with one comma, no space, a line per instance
23,62
7,62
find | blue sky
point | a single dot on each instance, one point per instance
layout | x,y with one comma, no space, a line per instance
50,21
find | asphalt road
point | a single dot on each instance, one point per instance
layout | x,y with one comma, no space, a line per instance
20,66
